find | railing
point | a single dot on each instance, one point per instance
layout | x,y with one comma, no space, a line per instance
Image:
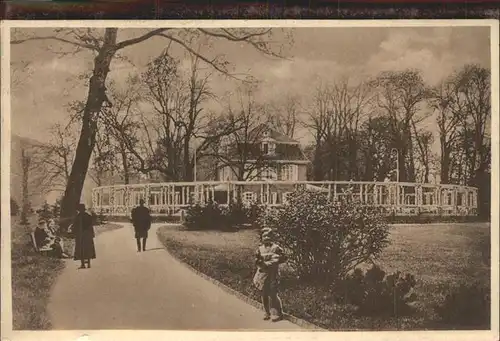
399,198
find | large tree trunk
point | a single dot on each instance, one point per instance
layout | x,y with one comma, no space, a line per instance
188,165
95,99
445,161
126,170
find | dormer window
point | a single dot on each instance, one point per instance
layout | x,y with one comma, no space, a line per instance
268,148
265,148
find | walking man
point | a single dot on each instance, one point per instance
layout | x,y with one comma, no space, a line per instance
141,219
269,256
83,230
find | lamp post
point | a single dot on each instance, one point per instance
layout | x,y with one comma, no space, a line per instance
397,163
195,164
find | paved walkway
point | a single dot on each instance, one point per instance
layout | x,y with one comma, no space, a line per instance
125,289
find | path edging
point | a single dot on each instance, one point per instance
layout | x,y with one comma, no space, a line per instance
295,320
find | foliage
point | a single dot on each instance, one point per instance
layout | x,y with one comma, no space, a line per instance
56,208
45,212
253,212
236,214
33,275
212,216
14,207
206,217
468,307
376,294
326,239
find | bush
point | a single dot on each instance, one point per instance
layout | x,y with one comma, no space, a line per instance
325,239
45,212
236,214
253,212
467,307
206,217
14,207
374,293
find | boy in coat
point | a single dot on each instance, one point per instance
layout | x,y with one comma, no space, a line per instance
268,257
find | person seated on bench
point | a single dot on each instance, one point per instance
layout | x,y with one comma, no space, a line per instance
46,239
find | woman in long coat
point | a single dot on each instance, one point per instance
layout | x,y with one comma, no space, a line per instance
83,230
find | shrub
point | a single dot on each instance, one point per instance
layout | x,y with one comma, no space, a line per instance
45,212
236,214
466,307
56,208
14,207
325,239
253,212
374,293
206,217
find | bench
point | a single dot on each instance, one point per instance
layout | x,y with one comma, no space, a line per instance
43,250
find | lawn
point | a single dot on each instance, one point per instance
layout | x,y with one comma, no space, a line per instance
33,276
440,256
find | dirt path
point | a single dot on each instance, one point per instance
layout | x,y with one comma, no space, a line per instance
125,289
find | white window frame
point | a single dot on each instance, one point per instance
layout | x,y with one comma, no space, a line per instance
248,197
269,173
265,148
289,172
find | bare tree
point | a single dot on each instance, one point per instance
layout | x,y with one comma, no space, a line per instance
240,149
446,100
284,117
58,154
462,102
122,125
335,121
104,46
424,140
400,95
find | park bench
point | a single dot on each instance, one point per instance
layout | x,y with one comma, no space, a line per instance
43,250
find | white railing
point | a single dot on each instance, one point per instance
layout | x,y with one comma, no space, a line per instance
400,198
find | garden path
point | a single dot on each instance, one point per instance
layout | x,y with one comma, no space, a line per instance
150,290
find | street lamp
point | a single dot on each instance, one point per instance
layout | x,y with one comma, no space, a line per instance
194,170
397,163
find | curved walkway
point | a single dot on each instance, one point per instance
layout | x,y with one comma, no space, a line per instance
125,289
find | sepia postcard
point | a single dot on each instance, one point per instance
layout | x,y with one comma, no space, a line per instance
292,179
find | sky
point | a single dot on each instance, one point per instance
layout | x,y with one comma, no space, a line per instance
43,82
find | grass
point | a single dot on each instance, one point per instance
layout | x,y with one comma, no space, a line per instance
440,256
33,275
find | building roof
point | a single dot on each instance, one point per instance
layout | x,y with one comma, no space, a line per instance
275,135
286,149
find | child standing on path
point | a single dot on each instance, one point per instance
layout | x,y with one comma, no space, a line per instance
269,256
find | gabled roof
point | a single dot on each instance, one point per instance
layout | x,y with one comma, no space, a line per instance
275,135
283,152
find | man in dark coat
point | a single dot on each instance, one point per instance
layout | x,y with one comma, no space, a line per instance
141,219
83,230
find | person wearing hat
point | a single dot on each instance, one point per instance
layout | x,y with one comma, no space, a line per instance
46,239
83,230
269,256
141,219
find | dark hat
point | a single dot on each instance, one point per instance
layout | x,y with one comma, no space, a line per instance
267,237
141,201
